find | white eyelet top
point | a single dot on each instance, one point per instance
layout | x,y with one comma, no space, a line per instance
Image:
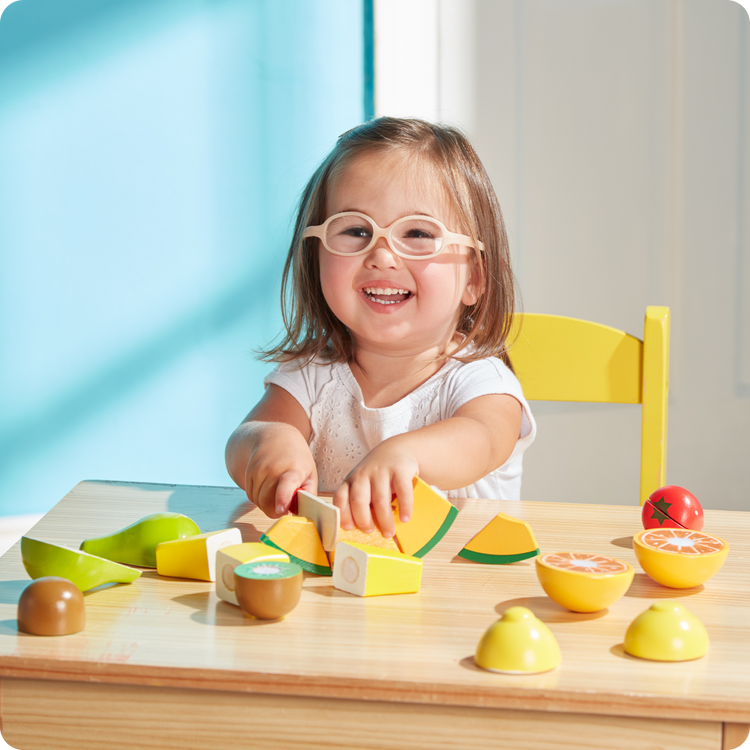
344,430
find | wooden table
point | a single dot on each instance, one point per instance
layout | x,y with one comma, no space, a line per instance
164,663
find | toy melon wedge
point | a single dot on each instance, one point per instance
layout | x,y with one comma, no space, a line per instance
84,570
431,518
503,540
298,537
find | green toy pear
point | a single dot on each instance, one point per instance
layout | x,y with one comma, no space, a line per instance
136,544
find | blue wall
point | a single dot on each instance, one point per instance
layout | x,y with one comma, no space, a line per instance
151,152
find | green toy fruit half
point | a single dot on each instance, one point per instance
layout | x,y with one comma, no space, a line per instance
84,570
136,544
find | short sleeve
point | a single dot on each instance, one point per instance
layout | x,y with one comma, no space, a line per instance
486,377
303,383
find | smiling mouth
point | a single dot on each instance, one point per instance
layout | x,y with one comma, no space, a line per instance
386,296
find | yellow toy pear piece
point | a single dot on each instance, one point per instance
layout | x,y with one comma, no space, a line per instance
432,515
518,643
195,556
373,571
229,558
666,631
503,540
583,582
298,537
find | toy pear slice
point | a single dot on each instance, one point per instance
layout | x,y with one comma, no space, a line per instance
136,544
298,537
373,571
432,516
84,570
503,540
194,556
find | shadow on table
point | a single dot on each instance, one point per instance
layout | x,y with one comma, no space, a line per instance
644,587
547,611
10,591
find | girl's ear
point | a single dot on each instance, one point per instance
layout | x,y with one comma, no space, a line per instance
475,285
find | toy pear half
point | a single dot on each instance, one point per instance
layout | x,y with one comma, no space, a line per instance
136,544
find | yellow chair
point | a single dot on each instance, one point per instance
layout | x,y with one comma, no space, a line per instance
566,359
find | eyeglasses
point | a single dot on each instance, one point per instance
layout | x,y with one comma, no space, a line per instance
412,237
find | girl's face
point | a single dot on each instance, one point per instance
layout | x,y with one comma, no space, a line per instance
389,303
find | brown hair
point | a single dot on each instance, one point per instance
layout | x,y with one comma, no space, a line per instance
312,329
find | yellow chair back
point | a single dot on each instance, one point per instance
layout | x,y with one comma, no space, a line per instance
566,359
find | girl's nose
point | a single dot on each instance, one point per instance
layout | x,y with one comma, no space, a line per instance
382,256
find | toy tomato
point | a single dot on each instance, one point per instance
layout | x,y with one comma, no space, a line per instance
672,507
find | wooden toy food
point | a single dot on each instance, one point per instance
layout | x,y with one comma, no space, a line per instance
84,570
666,631
194,556
228,558
679,558
518,643
357,536
432,516
136,544
503,540
672,507
298,537
373,571
51,606
267,589
582,582
326,517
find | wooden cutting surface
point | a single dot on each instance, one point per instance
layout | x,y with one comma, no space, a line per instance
415,649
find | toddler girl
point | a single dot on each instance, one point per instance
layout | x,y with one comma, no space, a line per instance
397,298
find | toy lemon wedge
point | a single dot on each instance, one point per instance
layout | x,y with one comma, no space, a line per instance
582,582
680,558
136,544
518,643
666,631
86,571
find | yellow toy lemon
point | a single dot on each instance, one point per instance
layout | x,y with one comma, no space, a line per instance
680,558
666,631
582,582
518,643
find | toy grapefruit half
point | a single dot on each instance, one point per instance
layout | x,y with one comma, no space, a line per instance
583,582
680,558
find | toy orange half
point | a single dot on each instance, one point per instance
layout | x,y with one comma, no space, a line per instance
582,582
680,558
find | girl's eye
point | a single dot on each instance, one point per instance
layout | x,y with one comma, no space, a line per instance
418,234
357,232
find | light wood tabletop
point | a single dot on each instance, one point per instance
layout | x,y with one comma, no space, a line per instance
164,662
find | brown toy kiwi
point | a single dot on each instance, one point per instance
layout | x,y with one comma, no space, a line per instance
51,606
268,589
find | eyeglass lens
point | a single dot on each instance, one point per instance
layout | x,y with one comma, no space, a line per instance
412,237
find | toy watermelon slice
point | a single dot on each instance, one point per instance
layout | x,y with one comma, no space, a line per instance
503,540
431,517
298,537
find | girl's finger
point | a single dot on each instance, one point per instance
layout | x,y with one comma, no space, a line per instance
360,496
381,505
289,482
341,501
404,488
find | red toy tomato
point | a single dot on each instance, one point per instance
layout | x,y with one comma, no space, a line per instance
672,507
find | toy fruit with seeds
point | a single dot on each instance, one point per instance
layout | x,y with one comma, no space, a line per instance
666,631
679,558
268,589
518,643
582,582
672,507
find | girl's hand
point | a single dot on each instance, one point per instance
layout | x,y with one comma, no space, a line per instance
365,497
279,465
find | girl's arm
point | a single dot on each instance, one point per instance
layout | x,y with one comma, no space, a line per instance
452,453
268,456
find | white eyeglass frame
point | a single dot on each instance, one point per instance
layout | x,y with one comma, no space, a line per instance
449,238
